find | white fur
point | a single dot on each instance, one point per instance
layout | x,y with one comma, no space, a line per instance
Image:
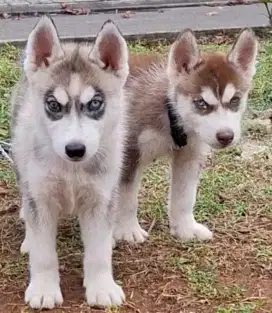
87,95
208,95
100,287
75,86
207,126
59,187
186,167
127,226
228,94
61,95
71,129
152,145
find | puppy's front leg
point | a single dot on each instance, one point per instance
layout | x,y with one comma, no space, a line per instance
127,226
96,228
43,290
26,242
186,167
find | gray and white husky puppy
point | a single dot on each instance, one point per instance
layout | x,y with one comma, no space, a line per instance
68,130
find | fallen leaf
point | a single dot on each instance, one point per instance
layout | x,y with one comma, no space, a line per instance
127,14
63,5
3,191
235,2
67,10
5,15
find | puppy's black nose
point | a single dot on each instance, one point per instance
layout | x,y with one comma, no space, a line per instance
225,137
75,150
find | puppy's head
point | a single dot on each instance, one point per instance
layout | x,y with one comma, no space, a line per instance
76,90
211,89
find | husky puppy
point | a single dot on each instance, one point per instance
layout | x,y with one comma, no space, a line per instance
67,145
181,108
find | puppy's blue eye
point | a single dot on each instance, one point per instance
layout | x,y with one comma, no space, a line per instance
95,104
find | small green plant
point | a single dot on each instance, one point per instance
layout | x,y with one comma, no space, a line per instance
202,281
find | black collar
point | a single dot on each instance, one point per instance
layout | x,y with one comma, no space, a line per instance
177,131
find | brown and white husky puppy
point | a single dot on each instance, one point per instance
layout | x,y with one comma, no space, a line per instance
181,108
68,133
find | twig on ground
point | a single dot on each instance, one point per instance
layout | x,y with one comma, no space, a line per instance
152,225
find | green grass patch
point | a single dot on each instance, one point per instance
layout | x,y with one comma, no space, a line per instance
261,95
202,281
6,173
242,308
9,73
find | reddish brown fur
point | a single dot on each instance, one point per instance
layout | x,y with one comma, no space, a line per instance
147,95
185,52
214,72
147,88
142,62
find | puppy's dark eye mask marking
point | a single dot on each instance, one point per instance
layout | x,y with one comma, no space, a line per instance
202,107
53,109
94,109
233,104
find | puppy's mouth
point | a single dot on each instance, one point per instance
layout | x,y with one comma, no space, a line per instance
75,159
219,146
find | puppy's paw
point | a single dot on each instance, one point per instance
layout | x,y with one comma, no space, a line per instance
43,294
130,231
194,230
104,292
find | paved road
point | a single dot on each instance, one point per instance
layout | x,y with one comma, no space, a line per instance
143,24
58,6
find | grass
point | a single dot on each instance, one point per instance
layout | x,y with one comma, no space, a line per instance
244,308
231,274
9,74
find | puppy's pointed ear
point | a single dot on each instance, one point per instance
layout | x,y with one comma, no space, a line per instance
244,52
42,46
110,51
184,54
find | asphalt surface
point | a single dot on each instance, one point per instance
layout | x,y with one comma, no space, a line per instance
154,24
